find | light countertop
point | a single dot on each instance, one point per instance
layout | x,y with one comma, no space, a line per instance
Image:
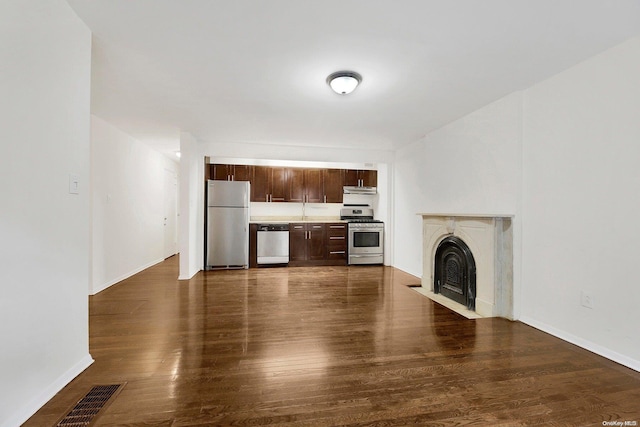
289,219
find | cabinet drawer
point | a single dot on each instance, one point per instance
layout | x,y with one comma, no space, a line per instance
337,253
336,232
337,226
336,241
334,248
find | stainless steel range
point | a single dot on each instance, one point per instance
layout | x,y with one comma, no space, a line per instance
365,235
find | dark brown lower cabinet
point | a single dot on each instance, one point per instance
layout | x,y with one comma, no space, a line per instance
253,245
309,244
317,244
297,242
336,235
306,242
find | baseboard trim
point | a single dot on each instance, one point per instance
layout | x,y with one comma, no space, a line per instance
27,411
124,276
581,342
190,274
417,276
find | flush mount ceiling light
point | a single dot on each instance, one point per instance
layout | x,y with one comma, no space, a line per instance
344,82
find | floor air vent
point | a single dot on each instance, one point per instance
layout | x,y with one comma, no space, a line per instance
86,410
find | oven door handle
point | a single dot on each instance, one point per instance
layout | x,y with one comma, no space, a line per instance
364,256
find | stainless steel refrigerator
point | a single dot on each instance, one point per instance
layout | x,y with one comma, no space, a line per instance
227,224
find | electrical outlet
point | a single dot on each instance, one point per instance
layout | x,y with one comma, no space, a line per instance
74,184
586,299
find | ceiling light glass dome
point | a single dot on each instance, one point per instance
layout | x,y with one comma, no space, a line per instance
344,82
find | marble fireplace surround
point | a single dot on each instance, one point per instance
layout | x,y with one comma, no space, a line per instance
490,238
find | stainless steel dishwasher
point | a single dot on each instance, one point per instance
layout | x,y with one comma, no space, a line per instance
273,244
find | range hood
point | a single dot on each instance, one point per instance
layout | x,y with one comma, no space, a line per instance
359,190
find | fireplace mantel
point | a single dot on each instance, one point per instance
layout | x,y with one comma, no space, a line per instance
490,238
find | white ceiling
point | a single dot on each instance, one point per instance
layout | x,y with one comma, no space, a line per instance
254,70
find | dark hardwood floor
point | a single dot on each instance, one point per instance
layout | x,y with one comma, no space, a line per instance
329,346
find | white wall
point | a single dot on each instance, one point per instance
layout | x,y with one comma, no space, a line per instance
191,221
335,156
581,199
469,166
562,156
45,57
127,204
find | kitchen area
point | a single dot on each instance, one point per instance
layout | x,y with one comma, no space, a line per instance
292,215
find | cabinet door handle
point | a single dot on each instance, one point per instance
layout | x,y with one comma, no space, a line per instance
336,238
336,252
325,198
317,226
337,226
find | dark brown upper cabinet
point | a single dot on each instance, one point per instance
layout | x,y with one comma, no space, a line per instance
268,184
301,185
360,178
261,184
279,179
222,172
305,186
295,186
332,180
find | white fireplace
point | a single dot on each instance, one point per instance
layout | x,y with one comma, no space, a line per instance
490,239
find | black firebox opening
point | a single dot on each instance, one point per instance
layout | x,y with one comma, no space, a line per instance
455,272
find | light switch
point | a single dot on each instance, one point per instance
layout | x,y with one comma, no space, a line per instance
74,184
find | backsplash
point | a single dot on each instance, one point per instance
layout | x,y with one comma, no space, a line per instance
288,209
259,209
